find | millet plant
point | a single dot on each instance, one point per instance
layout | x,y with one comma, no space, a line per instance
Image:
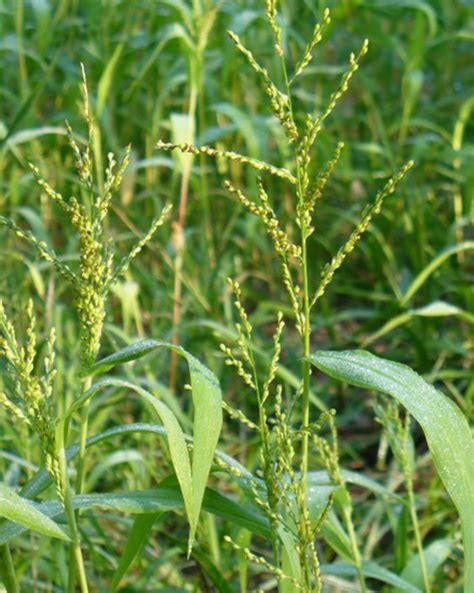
299,501
289,436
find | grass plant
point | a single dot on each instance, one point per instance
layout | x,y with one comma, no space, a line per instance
268,125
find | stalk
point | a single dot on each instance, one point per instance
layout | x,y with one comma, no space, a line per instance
209,240
75,553
305,338
407,469
418,540
76,560
83,437
7,570
347,514
305,365
306,369
179,245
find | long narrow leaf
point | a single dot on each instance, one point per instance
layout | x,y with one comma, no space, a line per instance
137,538
371,570
446,429
155,500
207,401
24,513
42,480
435,554
421,278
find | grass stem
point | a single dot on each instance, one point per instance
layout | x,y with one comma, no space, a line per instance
306,337
179,242
418,539
76,561
347,514
7,570
83,438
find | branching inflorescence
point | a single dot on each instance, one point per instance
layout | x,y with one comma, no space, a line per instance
284,447
91,283
97,272
31,401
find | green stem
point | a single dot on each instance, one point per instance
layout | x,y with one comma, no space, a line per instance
306,369
306,337
306,329
7,570
347,514
180,232
204,193
75,554
418,540
76,561
83,437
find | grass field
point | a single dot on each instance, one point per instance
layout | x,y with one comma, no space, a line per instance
335,470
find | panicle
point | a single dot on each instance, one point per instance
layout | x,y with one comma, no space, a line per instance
86,109
239,415
273,368
279,101
48,190
96,274
238,365
159,221
271,12
314,125
230,156
82,159
113,181
32,403
260,560
367,215
46,252
235,286
306,206
315,39
281,241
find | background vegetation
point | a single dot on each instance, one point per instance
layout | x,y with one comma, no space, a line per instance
406,292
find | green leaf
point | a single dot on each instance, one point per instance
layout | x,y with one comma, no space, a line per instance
137,538
212,571
132,352
23,512
435,555
176,442
445,427
106,79
207,400
372,571
336,537
424,7
43,479
402,539
321,477
418,282
155,500
434,309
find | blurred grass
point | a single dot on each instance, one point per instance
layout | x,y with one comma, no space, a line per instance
412,98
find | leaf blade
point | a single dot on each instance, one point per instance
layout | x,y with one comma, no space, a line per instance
143,502
446,429
17,509
207,402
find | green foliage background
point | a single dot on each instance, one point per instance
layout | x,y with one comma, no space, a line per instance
407,290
